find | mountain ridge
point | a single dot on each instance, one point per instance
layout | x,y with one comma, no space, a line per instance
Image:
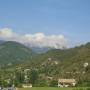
55,63
13,52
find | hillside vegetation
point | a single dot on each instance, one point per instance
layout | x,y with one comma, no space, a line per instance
69,63
13,52
45,69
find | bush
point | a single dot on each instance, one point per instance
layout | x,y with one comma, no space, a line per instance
42,84
53,83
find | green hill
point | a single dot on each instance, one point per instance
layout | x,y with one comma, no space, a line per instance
69,63
13,52
55,64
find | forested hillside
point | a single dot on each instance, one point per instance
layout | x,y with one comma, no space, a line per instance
13,52
45,69
69,63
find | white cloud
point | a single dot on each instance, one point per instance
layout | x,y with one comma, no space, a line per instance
35,40
6,32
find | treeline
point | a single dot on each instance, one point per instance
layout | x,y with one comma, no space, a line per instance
36,77
27,76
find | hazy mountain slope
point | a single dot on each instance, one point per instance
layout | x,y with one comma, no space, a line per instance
13,52
39,50
1,41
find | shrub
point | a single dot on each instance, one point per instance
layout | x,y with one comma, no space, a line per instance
53,83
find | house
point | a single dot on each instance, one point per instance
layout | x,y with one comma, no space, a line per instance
27,85
66,82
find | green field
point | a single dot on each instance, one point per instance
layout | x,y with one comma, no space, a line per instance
47,88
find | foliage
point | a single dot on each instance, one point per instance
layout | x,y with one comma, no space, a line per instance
44,68
53,83
33,76
13,53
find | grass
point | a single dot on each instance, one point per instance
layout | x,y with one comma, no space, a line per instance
49,88
44,88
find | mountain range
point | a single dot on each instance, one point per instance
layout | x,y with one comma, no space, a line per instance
67,63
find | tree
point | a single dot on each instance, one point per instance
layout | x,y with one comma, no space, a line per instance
19,76
33,76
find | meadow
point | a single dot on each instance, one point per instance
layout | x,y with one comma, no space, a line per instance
50,88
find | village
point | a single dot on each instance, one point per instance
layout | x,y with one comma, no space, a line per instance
60,82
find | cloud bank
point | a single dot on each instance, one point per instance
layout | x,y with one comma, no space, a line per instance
34,40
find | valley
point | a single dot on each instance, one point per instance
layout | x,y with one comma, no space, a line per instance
22,66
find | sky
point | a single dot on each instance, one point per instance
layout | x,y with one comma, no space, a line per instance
58,21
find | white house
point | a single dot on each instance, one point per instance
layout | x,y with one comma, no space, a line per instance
66,82
27,85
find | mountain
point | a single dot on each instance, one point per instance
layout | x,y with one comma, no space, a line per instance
1,41
55,63
39,50
13,52
68,63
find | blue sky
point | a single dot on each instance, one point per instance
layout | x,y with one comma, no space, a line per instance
70,18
